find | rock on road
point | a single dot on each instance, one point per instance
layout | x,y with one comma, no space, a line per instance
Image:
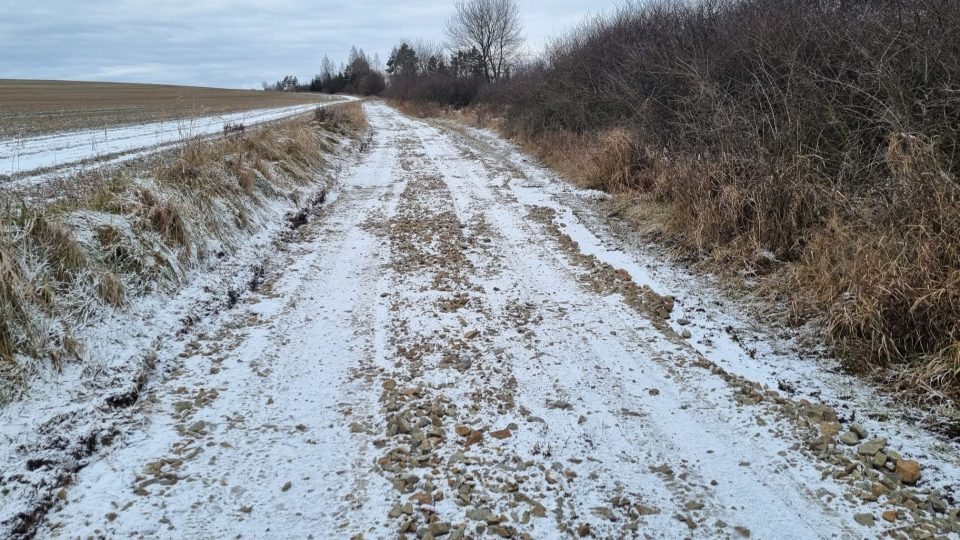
438,357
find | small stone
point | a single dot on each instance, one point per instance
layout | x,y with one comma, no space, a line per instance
389,384
683,322
860,431
654,392
286,486
501,434
872,446
422,498
583,530
475,437
890,515
830,429
908,471
850,438
462,431
562,405
938,504
181,406
439,528
471,334
867,520
685,334
878,489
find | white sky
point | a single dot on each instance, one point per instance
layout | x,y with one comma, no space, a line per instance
236,43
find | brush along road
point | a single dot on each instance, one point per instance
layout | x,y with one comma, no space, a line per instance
455,348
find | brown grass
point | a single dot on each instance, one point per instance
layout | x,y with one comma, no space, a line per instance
815,145
151,227
883,276
110,289
348,115
32,107
420,108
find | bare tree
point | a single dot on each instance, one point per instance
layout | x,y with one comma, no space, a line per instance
493,28
427,50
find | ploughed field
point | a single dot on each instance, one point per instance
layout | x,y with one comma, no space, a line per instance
29,108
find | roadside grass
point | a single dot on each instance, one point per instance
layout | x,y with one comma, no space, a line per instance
65,261
811,148
877,269
881,274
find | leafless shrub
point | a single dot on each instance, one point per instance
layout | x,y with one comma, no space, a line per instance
110,289
825,134
233,127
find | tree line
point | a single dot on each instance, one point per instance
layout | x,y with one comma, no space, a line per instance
485,41
358,76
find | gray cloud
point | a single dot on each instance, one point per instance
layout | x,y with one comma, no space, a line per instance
236,43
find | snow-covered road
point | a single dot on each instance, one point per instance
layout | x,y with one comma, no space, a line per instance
445,352
29,160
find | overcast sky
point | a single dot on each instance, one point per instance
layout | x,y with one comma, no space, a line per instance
230,43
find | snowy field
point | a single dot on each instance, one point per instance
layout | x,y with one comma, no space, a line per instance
30,160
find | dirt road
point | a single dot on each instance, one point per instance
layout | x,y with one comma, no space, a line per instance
445,352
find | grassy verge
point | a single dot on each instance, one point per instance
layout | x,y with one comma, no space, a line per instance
877,270
813,144
64,261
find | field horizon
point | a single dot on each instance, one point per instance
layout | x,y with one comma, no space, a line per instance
30,107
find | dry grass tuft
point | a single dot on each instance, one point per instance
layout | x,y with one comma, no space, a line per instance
62,253
12,287
246,178
164,218
110,290
342,116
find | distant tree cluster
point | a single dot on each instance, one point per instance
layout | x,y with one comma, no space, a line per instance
485,42
358,76
424,71
484,45
286,84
